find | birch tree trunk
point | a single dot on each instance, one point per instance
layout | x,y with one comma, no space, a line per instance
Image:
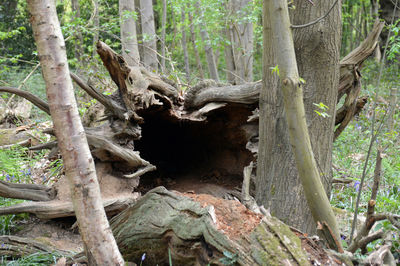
100,246
281,195
129,42
212,68
149,56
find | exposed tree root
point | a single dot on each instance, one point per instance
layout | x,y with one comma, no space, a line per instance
16,247
56,208
26,191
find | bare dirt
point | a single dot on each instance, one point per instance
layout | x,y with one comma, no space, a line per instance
233,218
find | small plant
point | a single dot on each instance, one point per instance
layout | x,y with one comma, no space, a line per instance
322,110
229,259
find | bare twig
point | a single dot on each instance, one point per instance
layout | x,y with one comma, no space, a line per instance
24,81
317,20
42,105
373,133
368,239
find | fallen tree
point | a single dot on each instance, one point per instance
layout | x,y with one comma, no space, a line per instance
153,135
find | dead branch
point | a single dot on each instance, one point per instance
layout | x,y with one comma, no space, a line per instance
118,110
42,105
14,246
24,143
48,145
26,191
210,91
57,209
350,78
100,143
382,256
360,241
368,239
342,112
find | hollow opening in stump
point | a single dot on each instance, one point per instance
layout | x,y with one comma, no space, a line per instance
200,156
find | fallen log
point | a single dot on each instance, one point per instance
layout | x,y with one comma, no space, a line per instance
154,135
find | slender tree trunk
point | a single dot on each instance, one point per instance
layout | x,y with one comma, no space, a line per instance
229,60
78,35
392,108
174,29
184,46
130,50
96,24
149,56
163,28
282,41
196,51
212,68
100,246
317,54
241,35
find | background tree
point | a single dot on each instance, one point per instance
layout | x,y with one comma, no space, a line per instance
239,48
212,68
129,43
149,40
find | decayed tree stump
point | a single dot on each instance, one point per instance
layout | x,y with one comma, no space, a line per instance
152,135
199,235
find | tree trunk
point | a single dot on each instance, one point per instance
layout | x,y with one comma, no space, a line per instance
96,24
317,55
100,246
163,28
184,47
196,51
192,234
317,200
240,33
78,35
130,50
229,61
149,56
212,68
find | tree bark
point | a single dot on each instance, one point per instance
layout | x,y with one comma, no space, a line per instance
100,246
240,35
196,51
130,50
96,24
192,234
149,56
184,46
212,68
78,35
163,29
282,192
299,137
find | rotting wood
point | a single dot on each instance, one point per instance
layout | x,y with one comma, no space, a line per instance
57,209
15,247
145,97
192,235
26,191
